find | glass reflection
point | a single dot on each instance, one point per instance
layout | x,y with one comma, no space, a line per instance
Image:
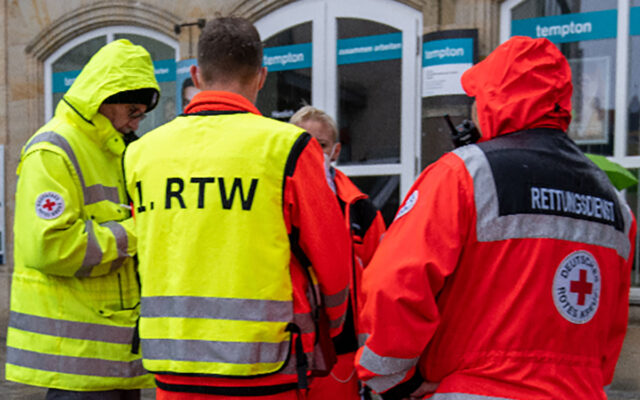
369,100
593,65
287,88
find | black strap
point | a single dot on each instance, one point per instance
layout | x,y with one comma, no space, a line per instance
135,342
239,391
404,389
302,365
362,213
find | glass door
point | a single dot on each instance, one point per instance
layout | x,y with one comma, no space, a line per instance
359,62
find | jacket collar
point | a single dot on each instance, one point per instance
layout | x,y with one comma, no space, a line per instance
99,129
346,190
214,100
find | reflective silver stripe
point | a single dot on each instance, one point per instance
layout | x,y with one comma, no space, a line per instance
386,382
93,254
71,329
362,338
92,194
96,193
337,323
217,308
337,299
465,396
493,227
122,239
304,321
115,264
380,365
211,351
75,365
60,141
290,368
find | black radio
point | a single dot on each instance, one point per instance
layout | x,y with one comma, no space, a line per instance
463,134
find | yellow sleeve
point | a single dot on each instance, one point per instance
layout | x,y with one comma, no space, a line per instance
52,234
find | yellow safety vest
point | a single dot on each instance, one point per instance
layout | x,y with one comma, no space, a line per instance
213,246
75,296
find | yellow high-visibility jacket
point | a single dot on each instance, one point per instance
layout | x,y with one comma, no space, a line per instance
220,305
75,295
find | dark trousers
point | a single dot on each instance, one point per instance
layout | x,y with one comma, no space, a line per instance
56,394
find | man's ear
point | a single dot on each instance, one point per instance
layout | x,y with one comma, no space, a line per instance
194,71
263,77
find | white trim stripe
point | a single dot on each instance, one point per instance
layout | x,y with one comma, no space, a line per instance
75,365
493,227
71,329
465,396
93,254
215,352
380,365
216,308
92,194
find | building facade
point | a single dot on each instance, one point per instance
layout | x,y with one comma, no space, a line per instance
387,70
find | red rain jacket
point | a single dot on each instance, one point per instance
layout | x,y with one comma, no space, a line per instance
366,226
506,271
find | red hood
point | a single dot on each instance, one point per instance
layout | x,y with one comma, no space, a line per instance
524,83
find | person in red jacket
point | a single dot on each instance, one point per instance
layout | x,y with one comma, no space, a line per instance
231,289
366,226
506,272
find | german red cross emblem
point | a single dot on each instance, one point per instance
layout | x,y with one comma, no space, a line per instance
576,287
49,205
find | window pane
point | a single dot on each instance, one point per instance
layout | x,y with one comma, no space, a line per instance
593,65
162,55
369,96
633,144
384,192
287,56
436,134
68,66
632,195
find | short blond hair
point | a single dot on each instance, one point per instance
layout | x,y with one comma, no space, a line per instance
307,113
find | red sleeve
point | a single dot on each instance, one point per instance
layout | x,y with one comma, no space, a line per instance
420,249
618,327
311,208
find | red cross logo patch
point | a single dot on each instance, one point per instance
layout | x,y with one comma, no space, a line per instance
49,205
576,287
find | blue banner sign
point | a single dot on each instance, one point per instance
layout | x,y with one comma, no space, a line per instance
185,88
63,80
447,51
165,71
183,68
569,27
284,58
634,23
370,48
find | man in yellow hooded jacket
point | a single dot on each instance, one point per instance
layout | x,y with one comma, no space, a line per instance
75,295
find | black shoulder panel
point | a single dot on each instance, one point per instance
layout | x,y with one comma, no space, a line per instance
542,171
295,152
